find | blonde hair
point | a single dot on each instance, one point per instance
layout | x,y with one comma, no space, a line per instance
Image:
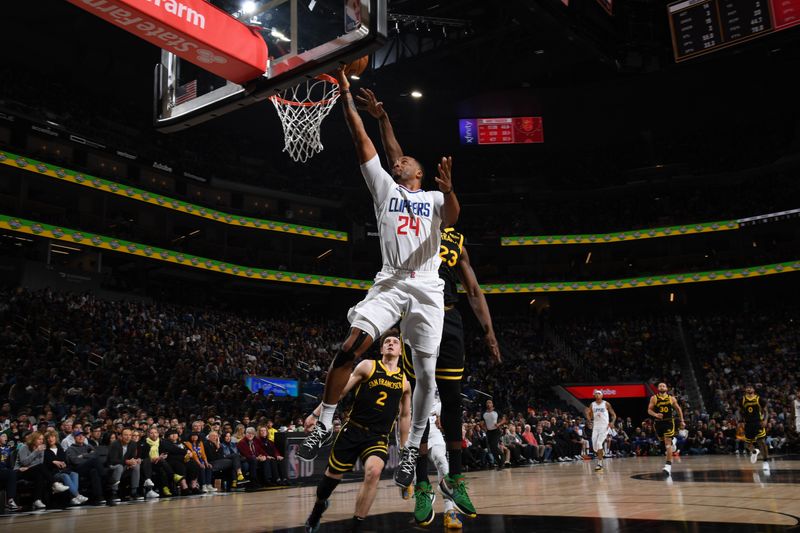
50,433
30,441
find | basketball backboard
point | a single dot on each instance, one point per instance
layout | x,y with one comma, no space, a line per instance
303,37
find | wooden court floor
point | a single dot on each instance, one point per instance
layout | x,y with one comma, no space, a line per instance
711,493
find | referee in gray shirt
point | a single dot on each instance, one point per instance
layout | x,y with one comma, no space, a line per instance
493,433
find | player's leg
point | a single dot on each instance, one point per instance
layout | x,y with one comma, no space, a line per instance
598,441
373,467
376,313
357,342
422,326
752,432
439,458
449,372
343,455
762,446
665,430
330,480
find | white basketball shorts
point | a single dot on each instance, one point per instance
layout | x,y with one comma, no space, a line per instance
415,299
599,435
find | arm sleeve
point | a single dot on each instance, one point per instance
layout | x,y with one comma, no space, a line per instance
379,182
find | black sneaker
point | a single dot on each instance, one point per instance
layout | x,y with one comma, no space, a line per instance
404,473
312,523
315,440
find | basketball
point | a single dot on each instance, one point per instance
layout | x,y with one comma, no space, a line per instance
357,67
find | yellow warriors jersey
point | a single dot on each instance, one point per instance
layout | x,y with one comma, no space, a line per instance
377,400
751,409
664,406
450,252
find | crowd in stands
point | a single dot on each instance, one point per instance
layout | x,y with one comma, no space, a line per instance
106,400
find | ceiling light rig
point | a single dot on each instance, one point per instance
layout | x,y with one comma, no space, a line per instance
425,24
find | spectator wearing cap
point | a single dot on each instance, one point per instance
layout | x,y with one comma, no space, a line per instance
205,473
55,461
8,476
254,453
69,439
125,464
83,459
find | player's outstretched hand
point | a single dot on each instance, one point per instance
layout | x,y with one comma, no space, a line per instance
344,83
309,423
445,177
494,347
367,101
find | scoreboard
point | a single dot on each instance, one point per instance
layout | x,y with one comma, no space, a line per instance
702,26
509,130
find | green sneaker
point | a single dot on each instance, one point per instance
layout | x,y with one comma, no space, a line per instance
423,509
455,488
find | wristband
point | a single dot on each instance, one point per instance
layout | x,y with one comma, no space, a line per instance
448,192
315,416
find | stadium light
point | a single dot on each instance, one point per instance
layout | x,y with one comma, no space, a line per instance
248,7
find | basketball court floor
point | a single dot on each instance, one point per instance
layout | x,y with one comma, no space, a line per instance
710,493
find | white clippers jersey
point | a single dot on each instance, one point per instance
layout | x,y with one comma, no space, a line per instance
600,412
409,222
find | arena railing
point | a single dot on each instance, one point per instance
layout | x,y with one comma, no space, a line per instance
29,227
134,193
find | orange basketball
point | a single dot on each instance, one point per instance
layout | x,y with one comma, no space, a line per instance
357,67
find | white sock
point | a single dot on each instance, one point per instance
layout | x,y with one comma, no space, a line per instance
326,416
422,400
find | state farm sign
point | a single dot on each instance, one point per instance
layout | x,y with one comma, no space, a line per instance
191,29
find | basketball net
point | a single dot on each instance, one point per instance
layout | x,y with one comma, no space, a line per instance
302,109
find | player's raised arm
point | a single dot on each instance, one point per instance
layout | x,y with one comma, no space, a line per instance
364,147
367,101
477,301
451,208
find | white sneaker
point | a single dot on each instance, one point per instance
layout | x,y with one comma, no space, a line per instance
668,470
148,483
82,498
151,494
765,466
212,488
76,501
59,487
204,488
754,456
38,505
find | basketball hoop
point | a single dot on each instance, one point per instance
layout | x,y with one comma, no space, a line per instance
302,109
